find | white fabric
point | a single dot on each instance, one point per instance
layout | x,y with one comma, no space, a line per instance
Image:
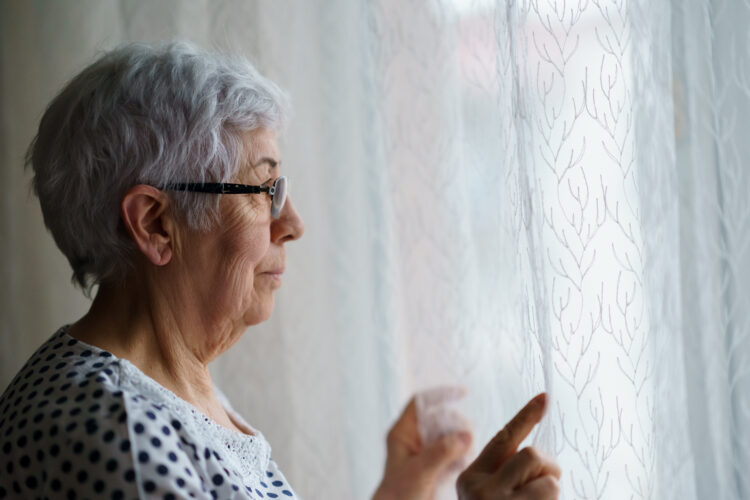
508,195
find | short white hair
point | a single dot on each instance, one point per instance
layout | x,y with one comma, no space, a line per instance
143,114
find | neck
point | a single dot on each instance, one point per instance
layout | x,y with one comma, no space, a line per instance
158,334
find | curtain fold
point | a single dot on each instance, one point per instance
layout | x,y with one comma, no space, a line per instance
712,152
512,196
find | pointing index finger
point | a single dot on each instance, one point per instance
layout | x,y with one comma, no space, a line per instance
506,442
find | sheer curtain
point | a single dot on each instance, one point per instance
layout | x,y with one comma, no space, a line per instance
513,196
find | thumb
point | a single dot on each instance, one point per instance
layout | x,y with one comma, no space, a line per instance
444,452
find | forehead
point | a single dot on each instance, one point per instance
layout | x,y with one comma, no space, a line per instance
259,144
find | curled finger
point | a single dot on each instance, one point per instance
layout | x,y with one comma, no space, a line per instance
525,466
543,488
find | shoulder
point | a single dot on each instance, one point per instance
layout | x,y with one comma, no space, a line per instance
78,421
63,379
71,427
63,422
62,384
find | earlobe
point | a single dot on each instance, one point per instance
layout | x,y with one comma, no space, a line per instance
147,218
162,253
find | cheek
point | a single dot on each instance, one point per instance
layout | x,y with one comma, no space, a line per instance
241,253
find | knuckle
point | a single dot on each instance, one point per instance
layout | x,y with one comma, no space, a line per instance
486,491
530,454
550,485
557,470
471,490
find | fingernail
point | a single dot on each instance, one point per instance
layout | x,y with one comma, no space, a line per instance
540,400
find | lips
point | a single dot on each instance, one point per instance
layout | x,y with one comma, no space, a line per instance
274,274
278,271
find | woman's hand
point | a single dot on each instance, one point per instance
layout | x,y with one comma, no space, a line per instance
412,470
502,473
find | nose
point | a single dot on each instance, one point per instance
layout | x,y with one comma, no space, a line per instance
289,225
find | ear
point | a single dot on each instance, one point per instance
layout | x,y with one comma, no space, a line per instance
144,211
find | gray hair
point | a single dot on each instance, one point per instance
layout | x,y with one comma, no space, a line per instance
143,114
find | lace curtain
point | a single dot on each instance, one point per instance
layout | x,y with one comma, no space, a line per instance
514,196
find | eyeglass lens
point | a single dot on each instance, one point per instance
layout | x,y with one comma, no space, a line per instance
281,188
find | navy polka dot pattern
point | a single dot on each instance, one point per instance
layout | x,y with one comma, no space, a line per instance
76,422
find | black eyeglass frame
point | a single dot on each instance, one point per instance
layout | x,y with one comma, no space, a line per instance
278,188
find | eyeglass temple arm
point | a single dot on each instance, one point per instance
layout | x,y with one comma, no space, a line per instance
216,188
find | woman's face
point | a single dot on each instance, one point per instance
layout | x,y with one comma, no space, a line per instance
237,266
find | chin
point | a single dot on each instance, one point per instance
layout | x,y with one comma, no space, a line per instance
259,312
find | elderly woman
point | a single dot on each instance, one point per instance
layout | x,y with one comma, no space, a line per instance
159,177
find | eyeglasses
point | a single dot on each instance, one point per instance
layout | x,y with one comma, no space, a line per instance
278,191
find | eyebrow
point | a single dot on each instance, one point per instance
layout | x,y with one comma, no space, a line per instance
267,159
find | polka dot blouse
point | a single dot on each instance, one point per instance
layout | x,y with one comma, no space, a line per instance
77,422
